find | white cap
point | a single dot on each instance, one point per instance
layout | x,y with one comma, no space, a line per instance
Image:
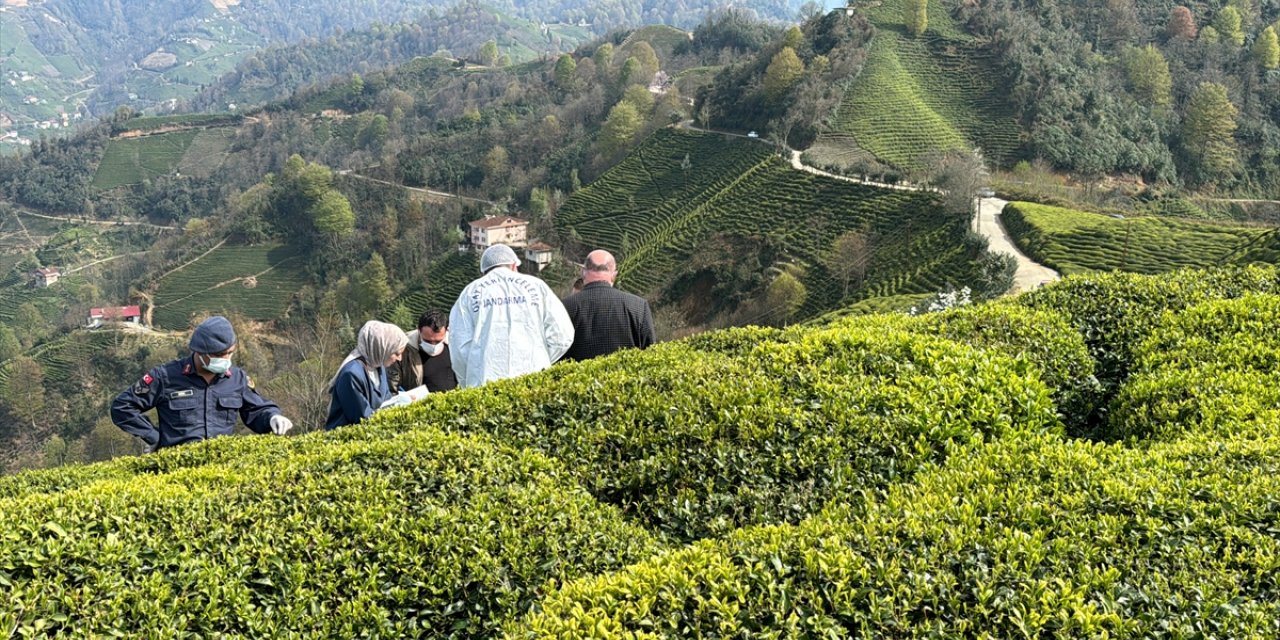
496,256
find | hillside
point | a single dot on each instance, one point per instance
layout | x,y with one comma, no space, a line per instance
1079,242
685,209
63,61
888,475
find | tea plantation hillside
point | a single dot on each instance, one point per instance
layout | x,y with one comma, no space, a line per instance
667,207
917,95
946,475
257,281
1075,242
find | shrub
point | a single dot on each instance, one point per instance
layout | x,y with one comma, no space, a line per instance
1029,537
1210,370
1115,312
696,444
420,534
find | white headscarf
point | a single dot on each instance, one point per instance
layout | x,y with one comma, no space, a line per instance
375,344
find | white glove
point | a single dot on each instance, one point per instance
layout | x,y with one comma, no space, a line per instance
280,425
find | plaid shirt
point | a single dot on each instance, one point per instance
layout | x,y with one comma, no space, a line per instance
606,319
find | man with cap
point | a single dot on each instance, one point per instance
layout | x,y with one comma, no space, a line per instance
506,324
197,397
606,319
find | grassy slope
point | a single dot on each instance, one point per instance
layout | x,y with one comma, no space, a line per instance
1074,241
656,215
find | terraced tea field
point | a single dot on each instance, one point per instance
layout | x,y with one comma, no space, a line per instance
655,215
438,290
1076,242
257,281
132,160
917,95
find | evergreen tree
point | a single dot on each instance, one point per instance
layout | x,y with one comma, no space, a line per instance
915,15
1229,26
783,72
1210,35
1266,49
1148,73
1208,130
1181,25
565,74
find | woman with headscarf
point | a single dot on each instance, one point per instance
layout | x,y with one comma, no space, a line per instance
361,386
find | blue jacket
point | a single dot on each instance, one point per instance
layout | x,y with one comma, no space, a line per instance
354,398
188,408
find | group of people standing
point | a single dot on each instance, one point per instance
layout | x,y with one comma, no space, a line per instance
504,324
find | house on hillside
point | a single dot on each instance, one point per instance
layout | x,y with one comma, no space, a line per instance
491,230
131,314
539,253
47,276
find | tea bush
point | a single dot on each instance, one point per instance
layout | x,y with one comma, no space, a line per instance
420,534
1210,370
1028,537
697,444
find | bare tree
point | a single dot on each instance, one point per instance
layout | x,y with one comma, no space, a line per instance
848,258
958,175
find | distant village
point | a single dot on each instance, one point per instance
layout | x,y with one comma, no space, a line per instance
484,232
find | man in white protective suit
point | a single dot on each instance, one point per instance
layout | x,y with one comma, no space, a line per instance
506,324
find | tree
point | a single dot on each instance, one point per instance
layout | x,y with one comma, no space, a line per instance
959,175
371,288
1121,24
488,54
648,58
9,345
639,97
332,215
915,15
1229,25
1208,129
783,72
785,295
23,391
620,127
1210,35
1148,73
565,73
793,37
496,163
847,261
1181,25
1266,49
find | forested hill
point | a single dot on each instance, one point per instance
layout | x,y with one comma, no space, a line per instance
89,56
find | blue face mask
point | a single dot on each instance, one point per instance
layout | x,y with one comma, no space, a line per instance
217,366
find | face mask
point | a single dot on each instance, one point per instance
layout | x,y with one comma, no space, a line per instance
432,349
218,366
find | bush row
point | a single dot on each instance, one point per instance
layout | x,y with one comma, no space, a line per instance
698,443
1032,537
363,533
1213,371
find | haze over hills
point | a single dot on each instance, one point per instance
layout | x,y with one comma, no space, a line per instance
63,60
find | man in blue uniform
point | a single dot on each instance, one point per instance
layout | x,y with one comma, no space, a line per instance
197,397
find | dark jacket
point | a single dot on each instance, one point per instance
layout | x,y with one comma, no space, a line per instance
190,409
353,396
408,373
606,319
